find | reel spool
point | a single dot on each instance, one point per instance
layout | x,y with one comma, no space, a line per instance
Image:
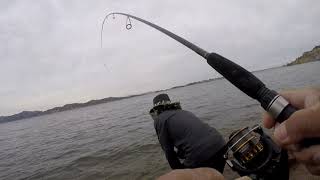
254,154
246,146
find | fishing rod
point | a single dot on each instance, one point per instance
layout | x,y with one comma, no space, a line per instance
278,107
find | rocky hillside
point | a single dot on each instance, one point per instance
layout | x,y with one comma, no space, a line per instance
309,56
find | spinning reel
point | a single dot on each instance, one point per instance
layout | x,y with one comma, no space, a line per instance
254,154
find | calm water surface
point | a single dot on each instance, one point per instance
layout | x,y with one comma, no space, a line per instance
117,140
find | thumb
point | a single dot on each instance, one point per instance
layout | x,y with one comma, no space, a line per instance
302,124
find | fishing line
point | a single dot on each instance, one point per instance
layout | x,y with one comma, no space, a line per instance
270,100
254,153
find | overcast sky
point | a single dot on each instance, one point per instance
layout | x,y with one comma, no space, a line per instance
50,51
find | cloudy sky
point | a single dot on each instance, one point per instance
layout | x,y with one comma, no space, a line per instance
50,51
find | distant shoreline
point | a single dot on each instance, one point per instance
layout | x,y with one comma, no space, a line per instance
72,106
309,56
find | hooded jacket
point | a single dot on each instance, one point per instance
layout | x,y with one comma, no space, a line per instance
195,141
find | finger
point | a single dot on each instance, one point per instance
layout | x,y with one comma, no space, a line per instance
176,175
302,124
208,174
292,148
311,100
297,97
313,169
268,121
193,174
309,155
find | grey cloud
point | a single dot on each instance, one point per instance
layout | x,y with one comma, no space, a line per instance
50,50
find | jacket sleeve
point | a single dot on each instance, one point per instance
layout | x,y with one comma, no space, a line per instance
168,147
172,158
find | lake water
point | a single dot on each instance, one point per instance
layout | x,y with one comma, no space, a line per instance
117,140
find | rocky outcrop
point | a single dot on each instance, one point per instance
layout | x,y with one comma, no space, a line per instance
309,56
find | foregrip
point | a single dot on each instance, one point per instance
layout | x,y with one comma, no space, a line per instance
237,75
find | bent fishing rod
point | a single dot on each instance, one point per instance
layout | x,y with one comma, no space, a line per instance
278,107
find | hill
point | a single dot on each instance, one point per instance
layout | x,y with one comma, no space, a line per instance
309,56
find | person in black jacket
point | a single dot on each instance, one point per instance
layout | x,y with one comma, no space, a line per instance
184,136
